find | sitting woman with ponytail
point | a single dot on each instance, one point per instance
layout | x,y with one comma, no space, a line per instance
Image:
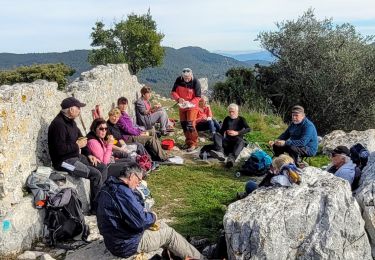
284,174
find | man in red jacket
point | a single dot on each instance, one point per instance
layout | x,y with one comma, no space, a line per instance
187,92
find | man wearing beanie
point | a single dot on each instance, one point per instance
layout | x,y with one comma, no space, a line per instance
341,164
187,92
300,139
66,148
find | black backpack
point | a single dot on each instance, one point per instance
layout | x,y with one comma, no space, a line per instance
258,164
64,219
359,155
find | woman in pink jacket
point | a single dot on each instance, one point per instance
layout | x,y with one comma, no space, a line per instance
100,145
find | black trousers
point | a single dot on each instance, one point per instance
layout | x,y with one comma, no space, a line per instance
230,146
294,151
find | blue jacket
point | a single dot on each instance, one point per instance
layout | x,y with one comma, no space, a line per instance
302,135
121,218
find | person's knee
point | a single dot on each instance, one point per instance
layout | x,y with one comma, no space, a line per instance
184,125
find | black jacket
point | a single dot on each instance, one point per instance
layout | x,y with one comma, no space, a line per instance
62,136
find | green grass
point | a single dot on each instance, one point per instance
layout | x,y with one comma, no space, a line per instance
194,197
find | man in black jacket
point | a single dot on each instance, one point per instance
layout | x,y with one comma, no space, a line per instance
229,141
66,148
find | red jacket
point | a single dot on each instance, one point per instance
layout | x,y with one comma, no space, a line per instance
190,91
203,113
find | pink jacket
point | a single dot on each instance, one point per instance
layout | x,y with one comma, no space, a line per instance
100,150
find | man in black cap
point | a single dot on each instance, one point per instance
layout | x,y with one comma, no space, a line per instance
341,164
66,148
300,139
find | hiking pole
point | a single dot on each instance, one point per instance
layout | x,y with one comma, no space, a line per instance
81,119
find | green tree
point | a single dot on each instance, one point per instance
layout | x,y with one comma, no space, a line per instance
51,72
329,69
134,41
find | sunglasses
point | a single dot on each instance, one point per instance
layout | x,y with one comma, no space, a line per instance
103,128
186,71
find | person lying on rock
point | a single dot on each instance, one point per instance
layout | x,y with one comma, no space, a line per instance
67,148
147,115
299,140
229,141
283,173
205,120
341,165
128,228
133,133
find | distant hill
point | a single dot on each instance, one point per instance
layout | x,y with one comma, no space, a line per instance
203,63
76,59
263,56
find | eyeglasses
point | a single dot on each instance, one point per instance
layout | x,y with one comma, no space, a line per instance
103,128
139,179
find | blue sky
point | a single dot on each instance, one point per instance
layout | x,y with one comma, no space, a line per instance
47,26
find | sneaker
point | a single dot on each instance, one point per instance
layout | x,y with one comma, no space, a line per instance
155,166
164,133
218,155
191,149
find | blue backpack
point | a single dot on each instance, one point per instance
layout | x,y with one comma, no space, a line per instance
258,163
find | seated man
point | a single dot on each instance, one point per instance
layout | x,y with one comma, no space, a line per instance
65,142
341,164
125,224
205,121
229,140
299,139
148,116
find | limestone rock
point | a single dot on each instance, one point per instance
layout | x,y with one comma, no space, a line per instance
46,257
339,137
29,255
204,85
97,250
318,219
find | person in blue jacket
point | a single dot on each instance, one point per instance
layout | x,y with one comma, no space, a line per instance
128,227
300,139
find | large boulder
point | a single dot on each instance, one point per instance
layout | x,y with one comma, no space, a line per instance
339,137
318,219
365,196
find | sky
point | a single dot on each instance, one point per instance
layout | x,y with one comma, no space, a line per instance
39,26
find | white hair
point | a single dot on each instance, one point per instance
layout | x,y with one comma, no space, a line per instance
65,111
233,106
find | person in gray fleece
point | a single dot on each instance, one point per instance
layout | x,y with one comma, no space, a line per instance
341,164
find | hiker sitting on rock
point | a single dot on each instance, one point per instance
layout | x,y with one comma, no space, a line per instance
128,227
229,141
341,164
284,173
205,120
187,92
147,115
133,133
67,148
299,140
100,145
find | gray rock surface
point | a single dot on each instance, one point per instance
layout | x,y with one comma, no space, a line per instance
365,196
318,219
29,255
339,137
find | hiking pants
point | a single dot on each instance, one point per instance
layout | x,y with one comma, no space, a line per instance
152,145
167,237
188,119
160,116
230,146
294,151
83,169
205,125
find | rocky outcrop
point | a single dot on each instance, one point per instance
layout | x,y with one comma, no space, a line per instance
318,219
26,109
339,137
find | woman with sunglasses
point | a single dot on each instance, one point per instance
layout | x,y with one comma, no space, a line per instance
100,144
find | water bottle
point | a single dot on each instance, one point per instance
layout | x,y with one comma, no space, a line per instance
204,156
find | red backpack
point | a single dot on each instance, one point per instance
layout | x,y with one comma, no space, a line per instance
144,162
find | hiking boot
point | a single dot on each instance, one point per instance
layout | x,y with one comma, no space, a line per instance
230,162
191,149
218,155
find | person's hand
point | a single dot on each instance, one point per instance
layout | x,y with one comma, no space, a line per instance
271,143
209,118
181,100
82,142
232,133
93,160
145,133
110,139
280,142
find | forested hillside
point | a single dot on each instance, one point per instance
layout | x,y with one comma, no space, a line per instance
203,63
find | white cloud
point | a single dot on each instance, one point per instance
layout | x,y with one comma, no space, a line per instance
210,24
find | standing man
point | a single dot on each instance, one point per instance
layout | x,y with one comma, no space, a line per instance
65,143
128,227
187,92
300,139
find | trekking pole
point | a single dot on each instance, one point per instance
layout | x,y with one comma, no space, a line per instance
81,119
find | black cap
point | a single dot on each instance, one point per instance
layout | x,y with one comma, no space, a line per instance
71,102
341,150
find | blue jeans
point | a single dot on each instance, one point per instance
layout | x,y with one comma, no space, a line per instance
250,186
211,125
